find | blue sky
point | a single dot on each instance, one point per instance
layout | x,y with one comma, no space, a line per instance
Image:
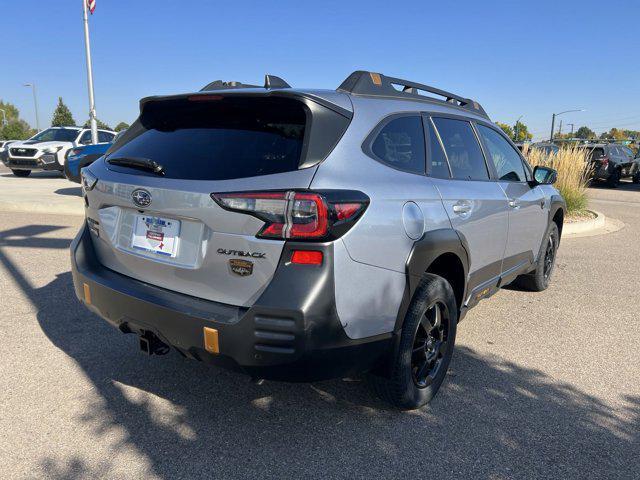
516,58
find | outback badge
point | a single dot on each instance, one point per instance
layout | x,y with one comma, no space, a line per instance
244,268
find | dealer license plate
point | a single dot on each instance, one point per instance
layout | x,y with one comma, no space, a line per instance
157,235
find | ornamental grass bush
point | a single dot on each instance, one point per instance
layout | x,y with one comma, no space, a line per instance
572,164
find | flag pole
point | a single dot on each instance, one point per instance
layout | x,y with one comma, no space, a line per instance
92,106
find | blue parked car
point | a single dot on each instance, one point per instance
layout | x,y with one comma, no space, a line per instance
82,156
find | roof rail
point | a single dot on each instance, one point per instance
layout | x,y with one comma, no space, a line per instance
270,82
369,83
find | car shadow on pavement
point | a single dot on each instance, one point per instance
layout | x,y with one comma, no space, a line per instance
491,419
35,175
71,191
624,185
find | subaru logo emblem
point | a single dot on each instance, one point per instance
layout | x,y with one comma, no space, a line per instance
141,197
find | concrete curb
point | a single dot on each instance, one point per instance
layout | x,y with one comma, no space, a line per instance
576,228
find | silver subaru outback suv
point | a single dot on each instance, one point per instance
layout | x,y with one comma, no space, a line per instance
301,235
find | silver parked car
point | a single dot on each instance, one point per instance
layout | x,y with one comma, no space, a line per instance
308,234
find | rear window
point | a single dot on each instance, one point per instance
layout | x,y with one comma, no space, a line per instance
594,153
218,139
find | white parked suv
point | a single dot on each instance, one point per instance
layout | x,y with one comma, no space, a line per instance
48,149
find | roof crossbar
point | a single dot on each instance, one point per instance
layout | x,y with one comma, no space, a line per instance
369,83
270,82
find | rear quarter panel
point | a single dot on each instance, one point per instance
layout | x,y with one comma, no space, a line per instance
371,259
379,237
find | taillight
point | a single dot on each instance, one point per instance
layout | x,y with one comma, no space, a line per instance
604,162
298,215
72,152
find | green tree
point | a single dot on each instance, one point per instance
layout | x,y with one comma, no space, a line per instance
101,124
62,116
121,126
523,134
506,129
562,136
585,133
15,129
10,111
616,134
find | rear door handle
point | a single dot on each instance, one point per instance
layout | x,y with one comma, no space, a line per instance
462,207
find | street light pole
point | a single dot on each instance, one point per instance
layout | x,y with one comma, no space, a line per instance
35,103
553,120
92,106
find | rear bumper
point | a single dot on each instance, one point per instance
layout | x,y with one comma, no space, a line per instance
72,171
601,174
73,165
291,333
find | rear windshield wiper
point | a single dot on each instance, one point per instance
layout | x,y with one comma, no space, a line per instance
138,162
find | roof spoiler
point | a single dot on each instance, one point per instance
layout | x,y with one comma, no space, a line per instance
369,83
270,82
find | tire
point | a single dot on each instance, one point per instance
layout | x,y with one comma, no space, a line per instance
21,173
540,278
636,178
422,344
614,179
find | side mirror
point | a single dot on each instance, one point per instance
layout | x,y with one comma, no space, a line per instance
544,176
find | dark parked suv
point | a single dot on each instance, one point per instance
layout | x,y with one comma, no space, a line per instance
611,163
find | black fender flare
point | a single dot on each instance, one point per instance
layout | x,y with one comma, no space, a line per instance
424,252
557,203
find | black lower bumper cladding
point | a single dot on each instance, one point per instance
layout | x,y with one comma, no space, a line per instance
31,164
291,333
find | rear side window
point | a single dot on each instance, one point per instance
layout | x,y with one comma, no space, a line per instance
218,139
462,148
400,144
507,162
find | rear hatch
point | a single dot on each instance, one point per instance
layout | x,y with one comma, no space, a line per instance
150,205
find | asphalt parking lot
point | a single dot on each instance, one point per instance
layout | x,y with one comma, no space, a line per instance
541,385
